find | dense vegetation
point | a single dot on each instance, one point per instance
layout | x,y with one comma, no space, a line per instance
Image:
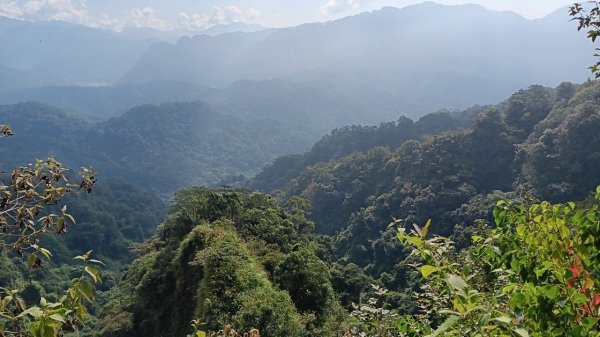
108,221
535,274
356,138
220,253
540,140
52,293
226,256
229,258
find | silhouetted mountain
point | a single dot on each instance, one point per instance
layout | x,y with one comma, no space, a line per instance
67,53
102,102
232,28
417,59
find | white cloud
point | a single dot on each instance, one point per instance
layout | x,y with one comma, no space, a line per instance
219,15
63,10
337,6
194,21
107,22
10,9
147,18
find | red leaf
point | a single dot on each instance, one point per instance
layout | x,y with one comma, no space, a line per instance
575,271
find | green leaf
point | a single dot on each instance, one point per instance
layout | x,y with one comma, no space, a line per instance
33,261
200,334
70,217
521,332
518,300
427,270
97,262
35,312
503,319
81,312
47,330
551,292
448,323
57,318
45,252
589,322
456,282
87,290
578,298
60,225
425,229
415,241
94,272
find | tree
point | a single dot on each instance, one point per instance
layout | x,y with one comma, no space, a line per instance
536,274
27,197
588,18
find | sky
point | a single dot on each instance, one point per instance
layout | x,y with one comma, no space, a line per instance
202,14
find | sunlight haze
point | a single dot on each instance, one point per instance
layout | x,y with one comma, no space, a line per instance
199,15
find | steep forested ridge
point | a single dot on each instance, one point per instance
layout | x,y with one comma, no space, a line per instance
226,256
540,140
356,138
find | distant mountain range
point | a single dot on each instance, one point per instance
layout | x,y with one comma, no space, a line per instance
61,53
362,69
417,59
157,147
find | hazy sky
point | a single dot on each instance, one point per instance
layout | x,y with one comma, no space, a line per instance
201,14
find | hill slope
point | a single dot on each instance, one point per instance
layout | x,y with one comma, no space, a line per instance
161,148
540,140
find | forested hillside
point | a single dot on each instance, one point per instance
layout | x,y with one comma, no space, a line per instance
220,253
356,138
160,148
541,142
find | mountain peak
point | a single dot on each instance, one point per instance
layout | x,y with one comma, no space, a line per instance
233,27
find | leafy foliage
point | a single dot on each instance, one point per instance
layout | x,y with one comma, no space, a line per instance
587,18
225,257
535,274
29,191
49,319
23,219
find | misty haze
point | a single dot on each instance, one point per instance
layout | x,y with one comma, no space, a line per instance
318,168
